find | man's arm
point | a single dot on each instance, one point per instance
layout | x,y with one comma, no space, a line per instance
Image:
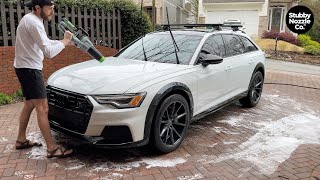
50,48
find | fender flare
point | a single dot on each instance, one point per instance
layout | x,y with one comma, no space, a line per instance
158,98
259,65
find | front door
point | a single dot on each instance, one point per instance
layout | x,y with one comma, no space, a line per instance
276,19
213,80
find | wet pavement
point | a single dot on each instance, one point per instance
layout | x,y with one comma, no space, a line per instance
278,139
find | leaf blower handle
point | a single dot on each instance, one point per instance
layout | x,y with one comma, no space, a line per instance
80,39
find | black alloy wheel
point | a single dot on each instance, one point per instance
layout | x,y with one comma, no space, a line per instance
257,88
255,91
171,122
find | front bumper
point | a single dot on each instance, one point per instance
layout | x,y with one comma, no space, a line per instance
81,117
96,141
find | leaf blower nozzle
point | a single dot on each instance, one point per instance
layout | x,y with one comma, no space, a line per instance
96,54
81,39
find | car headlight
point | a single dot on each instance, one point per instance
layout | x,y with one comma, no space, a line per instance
121,100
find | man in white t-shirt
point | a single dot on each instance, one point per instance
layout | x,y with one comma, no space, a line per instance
32,44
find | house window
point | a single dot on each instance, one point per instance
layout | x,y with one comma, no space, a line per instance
148,10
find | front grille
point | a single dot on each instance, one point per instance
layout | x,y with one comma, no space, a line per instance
68,109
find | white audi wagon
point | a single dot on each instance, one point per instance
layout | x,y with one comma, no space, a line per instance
152,89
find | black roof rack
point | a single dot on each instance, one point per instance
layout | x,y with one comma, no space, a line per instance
217,27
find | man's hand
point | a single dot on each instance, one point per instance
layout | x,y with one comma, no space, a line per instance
70,44
67,38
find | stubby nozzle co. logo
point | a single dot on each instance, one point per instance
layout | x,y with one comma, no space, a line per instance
299,19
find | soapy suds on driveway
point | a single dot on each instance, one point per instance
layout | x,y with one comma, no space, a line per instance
274,141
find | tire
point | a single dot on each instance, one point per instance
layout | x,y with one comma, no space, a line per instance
171,122
255,91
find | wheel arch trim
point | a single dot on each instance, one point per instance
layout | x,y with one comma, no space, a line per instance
159,97
259,65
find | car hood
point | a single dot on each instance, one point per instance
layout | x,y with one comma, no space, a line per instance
113,76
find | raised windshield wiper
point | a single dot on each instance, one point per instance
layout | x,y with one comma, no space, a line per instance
174,42
144,52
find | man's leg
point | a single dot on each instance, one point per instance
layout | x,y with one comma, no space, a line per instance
42,108
24,119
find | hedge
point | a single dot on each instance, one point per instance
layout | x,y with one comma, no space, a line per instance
310,49
310,46
287,37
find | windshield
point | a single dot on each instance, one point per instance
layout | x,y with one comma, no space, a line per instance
160,48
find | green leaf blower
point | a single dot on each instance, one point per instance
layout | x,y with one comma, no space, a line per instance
81,39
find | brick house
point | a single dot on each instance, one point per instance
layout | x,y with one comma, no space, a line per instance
256,15
178,14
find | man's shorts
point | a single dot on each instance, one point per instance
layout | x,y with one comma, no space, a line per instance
32,83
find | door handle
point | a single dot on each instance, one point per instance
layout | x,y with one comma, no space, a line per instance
228,68
251,61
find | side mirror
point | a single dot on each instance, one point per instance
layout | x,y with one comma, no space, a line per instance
250,48
211,59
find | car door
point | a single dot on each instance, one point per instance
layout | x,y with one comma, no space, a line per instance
238,64
212,79
250,62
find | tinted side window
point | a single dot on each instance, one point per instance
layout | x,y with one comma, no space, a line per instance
234,45
248,45
214,45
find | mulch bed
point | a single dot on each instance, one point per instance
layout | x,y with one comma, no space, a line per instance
294,57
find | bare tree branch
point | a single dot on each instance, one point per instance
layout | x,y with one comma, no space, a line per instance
194,8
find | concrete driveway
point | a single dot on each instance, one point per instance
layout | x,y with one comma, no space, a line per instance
278,139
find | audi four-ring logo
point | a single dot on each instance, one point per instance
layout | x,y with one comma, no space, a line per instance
61,99
80,104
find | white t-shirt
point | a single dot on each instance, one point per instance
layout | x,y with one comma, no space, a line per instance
32,43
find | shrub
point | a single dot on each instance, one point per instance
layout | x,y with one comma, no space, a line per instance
304,40
314,32
17,95
310,49
269,35
314,43
5,99
287,37
131,25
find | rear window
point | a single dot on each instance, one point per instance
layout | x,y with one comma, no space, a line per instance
233,45
248,45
